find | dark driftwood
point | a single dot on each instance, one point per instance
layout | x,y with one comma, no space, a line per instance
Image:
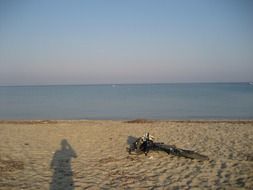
141,145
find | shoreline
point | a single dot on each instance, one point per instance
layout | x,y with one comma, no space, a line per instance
52,121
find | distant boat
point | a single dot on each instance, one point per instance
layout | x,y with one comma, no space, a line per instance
113,85
250,83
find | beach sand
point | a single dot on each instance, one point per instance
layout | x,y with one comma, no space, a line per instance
92,154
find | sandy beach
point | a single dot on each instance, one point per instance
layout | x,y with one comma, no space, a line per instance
92,155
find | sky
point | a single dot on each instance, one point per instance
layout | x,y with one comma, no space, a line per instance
45,42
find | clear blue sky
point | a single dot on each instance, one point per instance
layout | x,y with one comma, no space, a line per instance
130,41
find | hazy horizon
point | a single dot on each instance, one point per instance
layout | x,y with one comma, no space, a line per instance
125,84
125,42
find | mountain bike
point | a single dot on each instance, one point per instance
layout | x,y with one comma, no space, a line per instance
146,143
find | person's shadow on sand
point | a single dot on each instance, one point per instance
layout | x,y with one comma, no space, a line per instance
61,164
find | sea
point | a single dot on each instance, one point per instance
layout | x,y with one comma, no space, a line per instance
219,101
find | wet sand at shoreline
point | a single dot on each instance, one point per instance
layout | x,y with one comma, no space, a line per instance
91,154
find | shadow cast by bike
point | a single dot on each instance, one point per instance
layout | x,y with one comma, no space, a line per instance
61,165
131,140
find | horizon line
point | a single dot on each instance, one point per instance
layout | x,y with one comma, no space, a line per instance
110,84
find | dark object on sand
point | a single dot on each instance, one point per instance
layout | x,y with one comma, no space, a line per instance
145,143
140,121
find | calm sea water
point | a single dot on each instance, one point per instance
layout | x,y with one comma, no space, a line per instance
159,101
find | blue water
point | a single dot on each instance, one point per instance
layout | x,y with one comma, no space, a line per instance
154,101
